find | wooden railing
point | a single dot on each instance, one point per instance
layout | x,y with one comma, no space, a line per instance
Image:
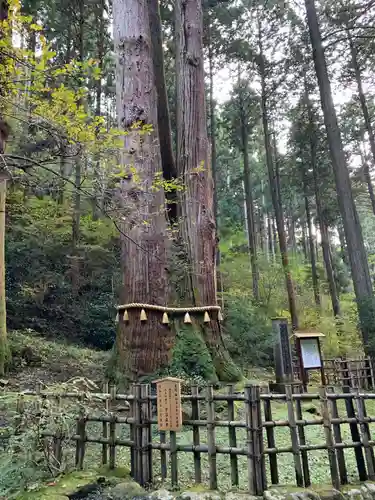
252,433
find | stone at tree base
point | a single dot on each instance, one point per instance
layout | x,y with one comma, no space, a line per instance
126,490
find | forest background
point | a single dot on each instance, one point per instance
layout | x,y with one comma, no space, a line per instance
279,208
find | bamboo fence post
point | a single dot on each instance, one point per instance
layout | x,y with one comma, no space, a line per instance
262,463
345,374
256,429
138,434
57,439
195,415
57,449
146,443
211,438
105,427
20,409
271,443
355,436
371,369
338,439
329,439
112,432
81,441
132,432
163,456
249,441
302,441
294,436
232,439
366,437
358,374
174,460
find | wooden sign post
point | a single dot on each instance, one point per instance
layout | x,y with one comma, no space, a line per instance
169,407
309,354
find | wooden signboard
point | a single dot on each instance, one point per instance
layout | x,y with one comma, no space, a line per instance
309,354
169,404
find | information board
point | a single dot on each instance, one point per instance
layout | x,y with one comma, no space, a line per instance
310,353
169,404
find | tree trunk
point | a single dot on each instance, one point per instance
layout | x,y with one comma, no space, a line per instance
141,347
327,257
164,125
4,351
98,109
344,250
314,272
4,131
273,176
352,227
4,126
198,221
366,173
361,94
274,238
304,246
269,237
76,220
249,203
64,145
76,205
319,208
276,201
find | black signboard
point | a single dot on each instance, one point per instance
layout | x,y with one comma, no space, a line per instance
285,349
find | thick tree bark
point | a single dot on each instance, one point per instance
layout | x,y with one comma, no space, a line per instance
164,125
141,347
249,203
198,221
352,227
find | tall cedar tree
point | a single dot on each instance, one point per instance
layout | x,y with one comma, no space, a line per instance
141,347
352,227
274,181
193,162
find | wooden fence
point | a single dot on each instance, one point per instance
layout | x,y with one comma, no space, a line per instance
355,373
252,428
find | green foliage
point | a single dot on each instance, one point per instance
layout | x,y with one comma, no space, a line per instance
366,309
248,332
190,356
40,281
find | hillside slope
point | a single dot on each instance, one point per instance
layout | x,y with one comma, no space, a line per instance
37,360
